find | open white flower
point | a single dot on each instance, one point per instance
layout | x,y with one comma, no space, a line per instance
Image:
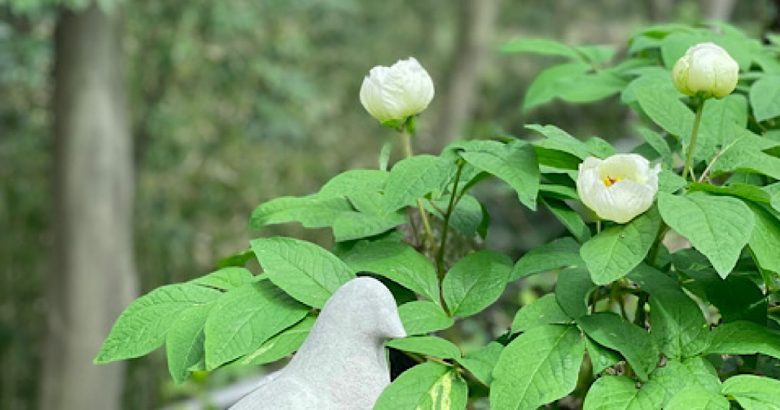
397,92
708,69
619,187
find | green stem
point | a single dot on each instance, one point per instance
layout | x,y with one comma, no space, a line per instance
406,142
692,142
445,230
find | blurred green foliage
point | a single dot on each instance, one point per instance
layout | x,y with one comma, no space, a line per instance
236,102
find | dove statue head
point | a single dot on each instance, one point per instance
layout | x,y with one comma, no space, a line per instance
368,307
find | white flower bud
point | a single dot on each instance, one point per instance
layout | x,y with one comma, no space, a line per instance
397,92
619,187
708,69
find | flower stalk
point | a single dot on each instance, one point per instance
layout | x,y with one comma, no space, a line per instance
692,143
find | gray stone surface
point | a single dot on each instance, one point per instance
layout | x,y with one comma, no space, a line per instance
342,364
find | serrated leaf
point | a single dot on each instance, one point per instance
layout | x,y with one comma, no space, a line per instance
562,252
482,362
428,386
225,278
310,211
536,368
304,270
543,311
742,337
143,325
572,290
617,250
413,178
765,97
184,341
398,262
678,325
426,345
281,345
753,392
718,227
475,282
514,163
423,316
245,318
633,342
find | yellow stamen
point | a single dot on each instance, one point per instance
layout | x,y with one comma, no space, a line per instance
608,181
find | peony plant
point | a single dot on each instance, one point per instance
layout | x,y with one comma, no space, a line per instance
635,320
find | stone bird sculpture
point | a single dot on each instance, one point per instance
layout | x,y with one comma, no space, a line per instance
342,364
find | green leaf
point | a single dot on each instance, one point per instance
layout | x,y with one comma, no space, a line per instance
633,342
398,262
747,153
225,278
600,357
753,392
668,112
426,345
742,337
245,318
482,362
670,182
184,341
738,189
765,97
475,282
697,398
370,218
354,182
281,345
614,252
143,325
548,84
423,316
657,142
620,392
721,115
468,217
562,252
570,219
543,311
541,46
427,386
560,140
678,325
765,240
304,270
536,368
589,87
514,163
310,211
719,227
572,290
415,177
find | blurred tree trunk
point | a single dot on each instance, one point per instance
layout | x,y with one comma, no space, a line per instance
475,28
93,275
660,10
717,9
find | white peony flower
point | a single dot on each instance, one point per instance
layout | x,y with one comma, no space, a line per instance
706,68
397,92
619,187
